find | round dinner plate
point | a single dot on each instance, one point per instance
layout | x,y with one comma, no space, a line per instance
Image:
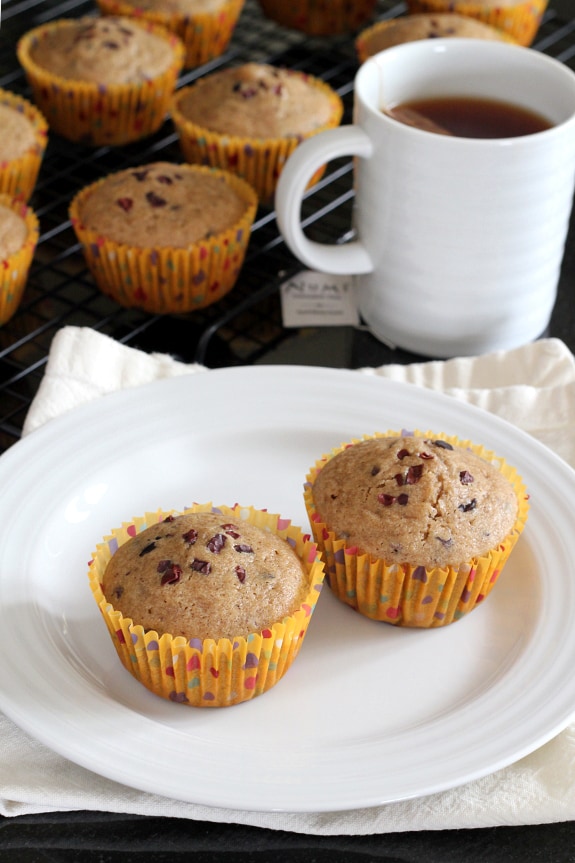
368,713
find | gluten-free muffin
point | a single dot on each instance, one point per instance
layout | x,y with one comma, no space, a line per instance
164,237
319,17
519,18
411,28
102,80
22,145
204,26
248,119
19,231
415,528
208,607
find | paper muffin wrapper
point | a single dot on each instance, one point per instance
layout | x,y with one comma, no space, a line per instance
319,17
259,161
15,268
364,43
168,280
98,114
520,19
18,176
205,35
207,672
407,594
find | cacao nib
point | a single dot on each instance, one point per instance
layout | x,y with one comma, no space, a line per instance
155,200
147,549
202,566
190,536
465,477
140,175
426,455
414,474
402,453
241,573
216,543
375,470
172,575
125,204
403,499
163,565
442,444
163,178
447,543
169,518
399,478
468,507
386,499
117,592
245,549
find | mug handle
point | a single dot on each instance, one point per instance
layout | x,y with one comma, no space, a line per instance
311,154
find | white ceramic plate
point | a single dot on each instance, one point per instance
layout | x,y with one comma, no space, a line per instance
368,713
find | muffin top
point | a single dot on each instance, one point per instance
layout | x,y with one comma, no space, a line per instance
105,50
412,28
201,576
162,205
415,500
257,100
13,232
18,135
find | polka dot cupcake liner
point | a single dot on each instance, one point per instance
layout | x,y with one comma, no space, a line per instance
18,176
520,19
259,161
97,114
205,35
208,672
168,280
319,17
15,268
407,594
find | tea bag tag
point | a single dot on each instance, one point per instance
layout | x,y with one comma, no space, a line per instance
312,299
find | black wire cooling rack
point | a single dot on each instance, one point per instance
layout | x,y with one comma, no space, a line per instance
244,326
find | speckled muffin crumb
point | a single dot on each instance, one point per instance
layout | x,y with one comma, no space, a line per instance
13,232
200,575
18,134
159,205
415,500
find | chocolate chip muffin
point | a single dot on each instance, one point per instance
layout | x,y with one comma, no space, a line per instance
208,607
398,512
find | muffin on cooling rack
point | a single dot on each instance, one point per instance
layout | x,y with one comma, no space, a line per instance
105,80
204,26
248,119
164,237
319,17
415,528
19,233
22,145
209,607
519,18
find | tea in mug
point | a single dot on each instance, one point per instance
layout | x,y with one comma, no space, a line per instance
469,117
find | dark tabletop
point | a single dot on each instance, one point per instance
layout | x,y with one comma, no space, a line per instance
243,328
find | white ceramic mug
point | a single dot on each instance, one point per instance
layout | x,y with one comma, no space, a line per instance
459,240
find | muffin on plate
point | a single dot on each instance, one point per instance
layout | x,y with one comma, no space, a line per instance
19,233
415,528
319,17
410,28
104,80
248,119
208,607
204,26
519,18
164,237
22,145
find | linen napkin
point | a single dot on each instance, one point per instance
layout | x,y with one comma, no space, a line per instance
532,386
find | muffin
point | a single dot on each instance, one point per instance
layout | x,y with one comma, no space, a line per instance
519,18
319,17
411,28
18,239
164,237
209,607
22,145
204,26
249,119
102,80
415,528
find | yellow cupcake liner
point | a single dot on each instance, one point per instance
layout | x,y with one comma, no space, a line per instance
205,35
319,17
14,269
521,19
207,672
366,42
259,161
166,280
18,176
97,114
407,594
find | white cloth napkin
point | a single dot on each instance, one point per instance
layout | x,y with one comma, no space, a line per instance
534,387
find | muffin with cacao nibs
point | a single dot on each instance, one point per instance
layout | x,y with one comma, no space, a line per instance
415,528
102,80
205,27
208,607
19,232
164,237
519,18
22,144
319,17
248,119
